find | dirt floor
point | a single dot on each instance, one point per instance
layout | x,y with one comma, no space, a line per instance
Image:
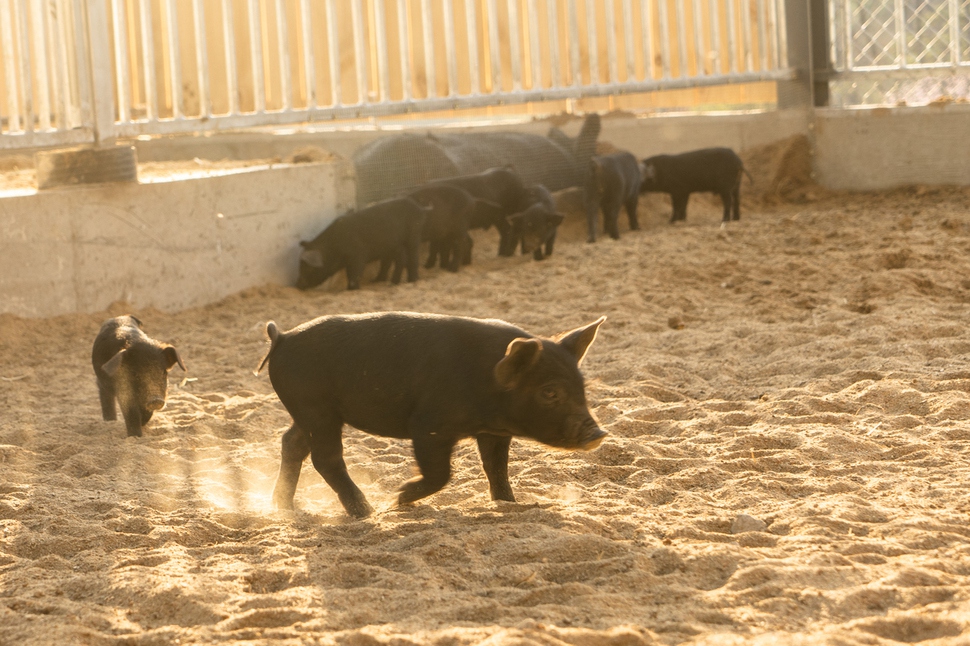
788,460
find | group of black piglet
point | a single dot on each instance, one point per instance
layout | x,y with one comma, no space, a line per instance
432,379
442,211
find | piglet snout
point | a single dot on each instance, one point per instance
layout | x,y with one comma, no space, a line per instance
592,439
155,404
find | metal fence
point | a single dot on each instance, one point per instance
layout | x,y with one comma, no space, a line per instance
88,70
899,51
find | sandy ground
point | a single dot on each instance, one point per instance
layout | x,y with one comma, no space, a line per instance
788,403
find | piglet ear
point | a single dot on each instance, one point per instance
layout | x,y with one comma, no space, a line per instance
172,357
111,366
648,171
519,357
312,257
578,341
304,243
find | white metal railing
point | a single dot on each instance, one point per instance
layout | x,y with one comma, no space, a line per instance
45,96
86,70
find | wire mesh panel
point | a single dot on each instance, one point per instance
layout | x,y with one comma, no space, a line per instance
899,51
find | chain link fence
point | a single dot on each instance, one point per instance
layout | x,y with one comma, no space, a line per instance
899,51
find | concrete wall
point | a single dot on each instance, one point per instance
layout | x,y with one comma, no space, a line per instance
169,245
164,245
880,148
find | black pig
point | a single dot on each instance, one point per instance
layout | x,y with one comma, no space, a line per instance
132,368
389,231
613,182
536,225
431,378
708,170
501,186
453,211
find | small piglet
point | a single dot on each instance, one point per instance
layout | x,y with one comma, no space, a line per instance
431,378
132,368
389,231
499,185
708,170
452,212
613,182
536,225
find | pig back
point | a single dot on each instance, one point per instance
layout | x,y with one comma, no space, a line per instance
377,370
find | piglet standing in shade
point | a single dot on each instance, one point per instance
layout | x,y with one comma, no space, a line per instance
131,368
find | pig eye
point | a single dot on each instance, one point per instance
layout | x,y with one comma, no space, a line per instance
550,394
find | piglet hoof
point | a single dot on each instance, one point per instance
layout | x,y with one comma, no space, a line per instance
359,509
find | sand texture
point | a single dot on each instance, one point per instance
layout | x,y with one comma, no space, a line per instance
788,462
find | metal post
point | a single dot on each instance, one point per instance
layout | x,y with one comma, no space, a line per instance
404,49
174,60
101,81
256,56
148,60
493,47
26,84
555,76
534,58
427,29
309,69
7,47
575,74
118,20
333,49
360,62
628,40
515,49
472,28
592,48
232,73
808,52
282,42
383,74
201,59
450,52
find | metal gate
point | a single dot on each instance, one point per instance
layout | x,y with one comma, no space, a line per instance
94,70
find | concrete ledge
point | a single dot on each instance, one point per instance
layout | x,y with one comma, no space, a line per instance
881,148
168,245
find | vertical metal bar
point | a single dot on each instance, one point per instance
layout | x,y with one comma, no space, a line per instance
553,26
404,49
954,16
782,28
148,60
716,67
20,17
762,36
746,35
493,47
535,60
834,41
591,44
628,41
611,49
450,52
773,30
65,59
84,56
333,54
850,57
577,76
40,58
682,37
309,69
515,48
472,29
174,60
899,15
256,55
664,37
732,43
102,84
121,63
427,31
282,43
383,75
360,62
50,40
646,26
232,72
201,59
700,56
7,46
